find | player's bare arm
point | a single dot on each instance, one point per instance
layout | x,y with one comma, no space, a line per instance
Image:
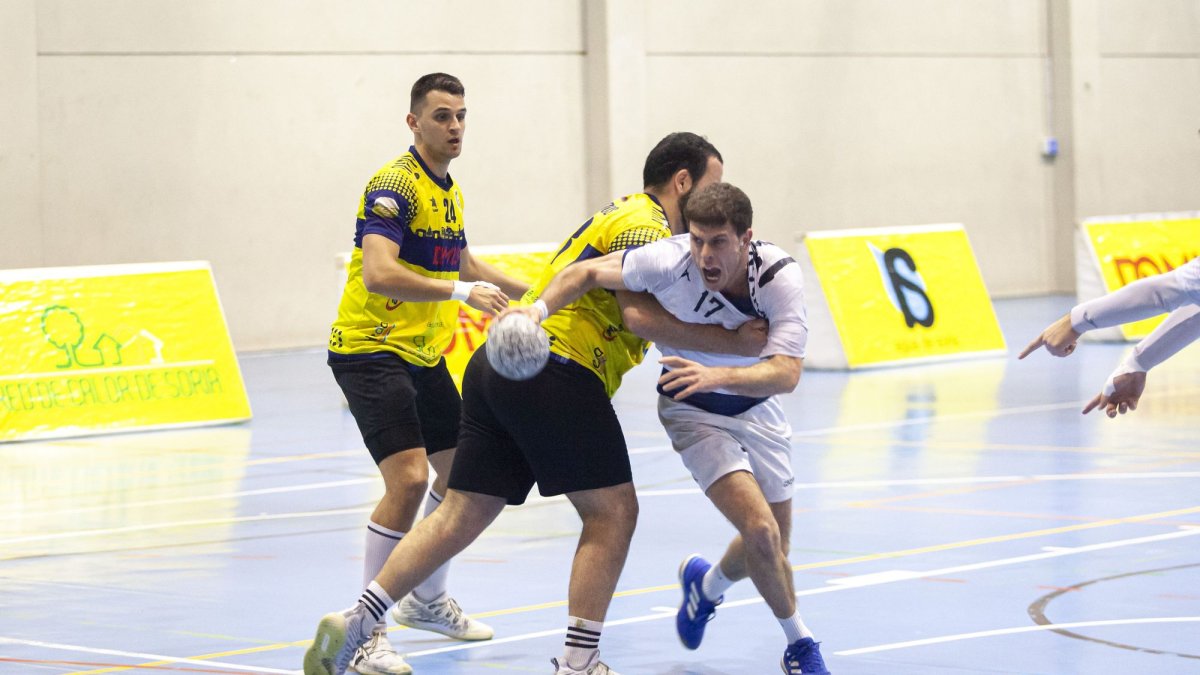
644,316
777,374
384,275
474,269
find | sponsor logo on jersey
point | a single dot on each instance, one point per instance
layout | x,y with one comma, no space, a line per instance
385,207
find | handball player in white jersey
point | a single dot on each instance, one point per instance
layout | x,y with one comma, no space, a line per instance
721,410
1177,292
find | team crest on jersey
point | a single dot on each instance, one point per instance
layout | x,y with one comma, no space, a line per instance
385,207
610,333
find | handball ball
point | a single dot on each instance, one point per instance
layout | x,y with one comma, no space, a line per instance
517,347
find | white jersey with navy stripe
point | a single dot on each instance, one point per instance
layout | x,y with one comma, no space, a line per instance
665,268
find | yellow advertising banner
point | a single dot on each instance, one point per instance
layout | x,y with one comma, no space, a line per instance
1128,248
110,348
903,294
522,262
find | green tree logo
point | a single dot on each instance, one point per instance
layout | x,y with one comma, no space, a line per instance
63,328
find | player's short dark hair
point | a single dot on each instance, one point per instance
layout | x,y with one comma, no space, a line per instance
679,150
434,82
720,203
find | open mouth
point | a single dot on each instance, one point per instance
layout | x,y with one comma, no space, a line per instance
711,275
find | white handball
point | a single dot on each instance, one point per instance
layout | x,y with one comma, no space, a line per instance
517,347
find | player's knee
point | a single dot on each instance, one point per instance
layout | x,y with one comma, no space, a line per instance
407,484
619,514
761,537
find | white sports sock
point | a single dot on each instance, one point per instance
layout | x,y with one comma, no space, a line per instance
582,643
376,601
794,628
380,542
435,586
715,583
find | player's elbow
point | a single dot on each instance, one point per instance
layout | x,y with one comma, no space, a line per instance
789,374
373,280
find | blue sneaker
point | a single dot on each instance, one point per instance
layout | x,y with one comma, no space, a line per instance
803,657
696,610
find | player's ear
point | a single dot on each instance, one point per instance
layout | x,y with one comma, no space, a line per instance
682,180
411,120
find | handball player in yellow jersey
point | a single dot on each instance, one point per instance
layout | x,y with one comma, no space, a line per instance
409,270
570,442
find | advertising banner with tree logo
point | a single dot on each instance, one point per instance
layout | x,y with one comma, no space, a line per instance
111,348
895,295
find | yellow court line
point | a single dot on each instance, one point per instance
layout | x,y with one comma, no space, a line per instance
673,587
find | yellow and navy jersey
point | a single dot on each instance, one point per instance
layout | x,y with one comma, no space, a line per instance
590,331
423,214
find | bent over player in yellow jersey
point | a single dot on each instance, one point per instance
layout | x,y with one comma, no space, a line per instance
398,313
591,332
570,442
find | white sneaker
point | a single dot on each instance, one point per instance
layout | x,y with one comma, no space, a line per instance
339,635
443,615
378,657
594,667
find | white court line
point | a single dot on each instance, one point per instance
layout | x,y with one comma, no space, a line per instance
139,655
536,499
183,523
1013,631
194,498
842,585
966,480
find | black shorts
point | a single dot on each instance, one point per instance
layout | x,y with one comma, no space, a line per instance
558,429
399,406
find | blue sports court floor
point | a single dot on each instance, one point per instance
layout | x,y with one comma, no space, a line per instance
960,518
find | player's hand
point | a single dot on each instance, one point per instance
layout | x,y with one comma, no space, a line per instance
530,311
487,298
751,337
1121,394
1059,339
685,377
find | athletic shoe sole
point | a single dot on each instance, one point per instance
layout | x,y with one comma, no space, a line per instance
331,636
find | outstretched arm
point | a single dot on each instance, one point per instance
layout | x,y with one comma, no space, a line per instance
778,374
1124,387
1140,300
644,316
573,281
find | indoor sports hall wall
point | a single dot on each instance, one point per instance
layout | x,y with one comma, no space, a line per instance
242,132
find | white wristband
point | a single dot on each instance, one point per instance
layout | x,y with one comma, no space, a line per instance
542,309
462,290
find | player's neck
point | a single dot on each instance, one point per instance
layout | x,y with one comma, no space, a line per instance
740,288
670,206
437,166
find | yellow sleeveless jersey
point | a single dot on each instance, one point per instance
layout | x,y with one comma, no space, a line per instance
590,331
424,215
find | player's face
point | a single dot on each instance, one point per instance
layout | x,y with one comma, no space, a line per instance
439,125
720,254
